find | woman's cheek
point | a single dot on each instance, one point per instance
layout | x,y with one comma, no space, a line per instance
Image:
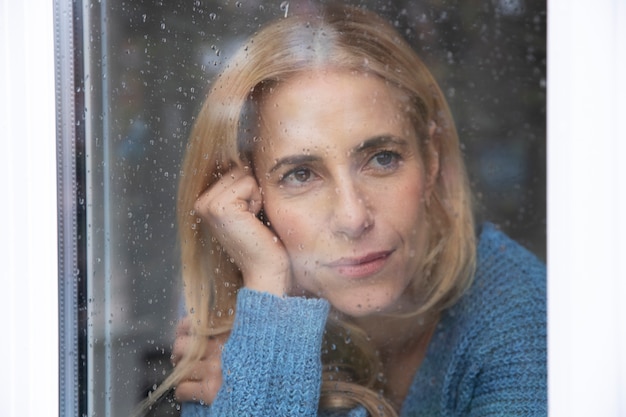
305,260
294,222
305,274
299,224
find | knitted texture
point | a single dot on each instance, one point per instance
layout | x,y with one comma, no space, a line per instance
487,355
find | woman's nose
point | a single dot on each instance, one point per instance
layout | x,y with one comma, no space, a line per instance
352,215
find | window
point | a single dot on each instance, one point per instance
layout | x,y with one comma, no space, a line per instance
140,72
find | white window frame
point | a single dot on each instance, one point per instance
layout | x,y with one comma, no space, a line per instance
28,210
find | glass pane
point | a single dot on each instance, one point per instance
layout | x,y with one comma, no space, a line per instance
147,68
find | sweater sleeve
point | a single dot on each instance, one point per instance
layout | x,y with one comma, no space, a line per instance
271,362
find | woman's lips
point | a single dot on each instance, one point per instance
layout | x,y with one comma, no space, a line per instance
360,267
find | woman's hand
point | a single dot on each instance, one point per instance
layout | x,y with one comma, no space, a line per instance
229,209
205,376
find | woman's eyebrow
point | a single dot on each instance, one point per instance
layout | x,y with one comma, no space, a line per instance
378,141
374,142
294,160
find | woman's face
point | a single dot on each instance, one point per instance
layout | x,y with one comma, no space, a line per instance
344,188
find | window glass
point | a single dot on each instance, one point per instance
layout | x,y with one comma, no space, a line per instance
143,69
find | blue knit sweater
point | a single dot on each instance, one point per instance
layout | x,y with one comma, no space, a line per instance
487,355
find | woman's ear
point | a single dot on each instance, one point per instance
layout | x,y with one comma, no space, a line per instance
432,159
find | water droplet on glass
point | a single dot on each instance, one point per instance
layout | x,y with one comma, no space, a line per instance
212,16
284,6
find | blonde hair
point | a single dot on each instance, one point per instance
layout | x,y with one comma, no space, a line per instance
337,37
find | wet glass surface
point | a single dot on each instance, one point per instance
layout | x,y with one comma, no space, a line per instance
147,68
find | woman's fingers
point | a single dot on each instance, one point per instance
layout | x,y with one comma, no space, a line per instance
202,382
236,190
204,377
228,209
183,326
198,391
182,341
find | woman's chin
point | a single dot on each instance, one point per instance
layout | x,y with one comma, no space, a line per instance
364,307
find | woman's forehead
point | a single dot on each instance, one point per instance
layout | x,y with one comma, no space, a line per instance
307,82
330,111
322,91
330,94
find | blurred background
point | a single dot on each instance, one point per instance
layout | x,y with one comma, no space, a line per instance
143,70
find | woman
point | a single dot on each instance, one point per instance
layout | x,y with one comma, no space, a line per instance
328,244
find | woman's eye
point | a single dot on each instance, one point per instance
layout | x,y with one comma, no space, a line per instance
297,176
385,159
